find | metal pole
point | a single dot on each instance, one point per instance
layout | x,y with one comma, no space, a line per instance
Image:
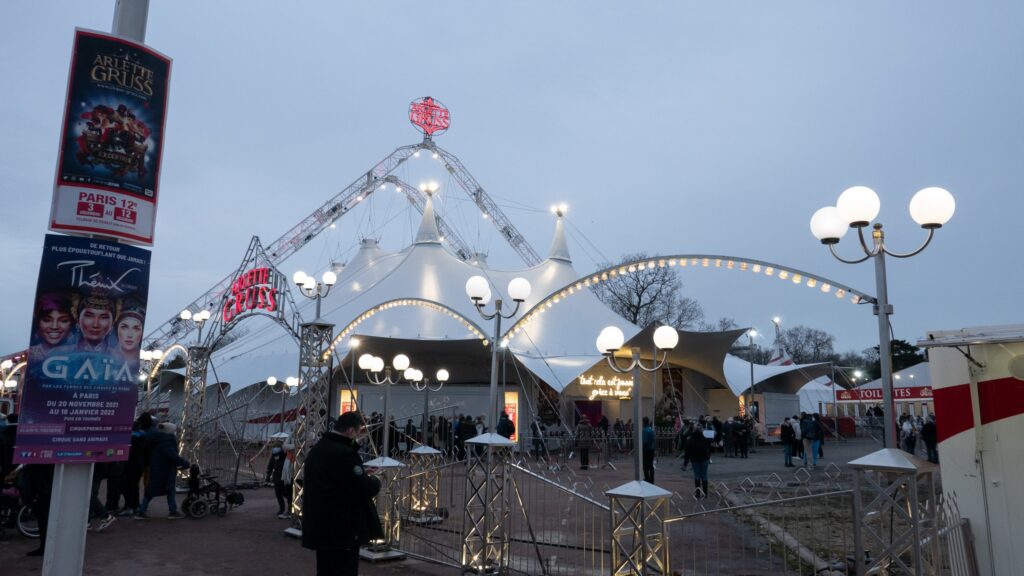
387,413
284,397
750,357
638,445
492,413
883,310
426,408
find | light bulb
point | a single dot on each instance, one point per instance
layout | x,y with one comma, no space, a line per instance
666,338
828,226
477,287
932,207
442,375
519,289
400,362
299,278
858,205
329,278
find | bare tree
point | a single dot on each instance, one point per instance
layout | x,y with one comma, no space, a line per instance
652,294
808,345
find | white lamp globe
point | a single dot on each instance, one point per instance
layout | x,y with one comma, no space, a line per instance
6,364
378,364
329,278
418,374
365,361
486,299
205,314
309,284
157,354
666,338
828,226
271,381
477,287
299,278
291,381
519,289
400,362
185,315
442,375
932,207
858,205
409,374
610,340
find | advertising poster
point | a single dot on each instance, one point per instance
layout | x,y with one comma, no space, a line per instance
81,384
108,171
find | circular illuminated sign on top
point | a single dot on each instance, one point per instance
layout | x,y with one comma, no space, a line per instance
430,116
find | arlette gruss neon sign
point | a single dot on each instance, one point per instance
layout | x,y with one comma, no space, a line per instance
429,115
253,290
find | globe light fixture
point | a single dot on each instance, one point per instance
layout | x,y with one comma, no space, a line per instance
479,291
931,208
609,341
312,289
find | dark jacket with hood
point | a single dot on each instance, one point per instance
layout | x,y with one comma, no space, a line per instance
337,505
163,463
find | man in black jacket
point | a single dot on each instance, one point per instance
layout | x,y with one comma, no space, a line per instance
338,515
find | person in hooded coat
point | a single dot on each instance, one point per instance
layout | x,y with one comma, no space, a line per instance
164,462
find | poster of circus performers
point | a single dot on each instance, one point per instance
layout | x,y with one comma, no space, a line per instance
108,171
81,384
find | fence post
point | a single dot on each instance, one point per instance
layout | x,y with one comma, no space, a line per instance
485,547
639,535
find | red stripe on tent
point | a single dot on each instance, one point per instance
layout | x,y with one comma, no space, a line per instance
999,399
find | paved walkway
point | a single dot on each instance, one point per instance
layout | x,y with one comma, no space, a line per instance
250,540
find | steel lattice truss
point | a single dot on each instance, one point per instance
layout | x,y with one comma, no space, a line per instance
485,549
190,443
640,543
175,329
314,373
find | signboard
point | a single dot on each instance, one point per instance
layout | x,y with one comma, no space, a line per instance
253,290
108,171
598,387
81,384
875,394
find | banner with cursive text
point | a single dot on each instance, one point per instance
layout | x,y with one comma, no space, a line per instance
81,384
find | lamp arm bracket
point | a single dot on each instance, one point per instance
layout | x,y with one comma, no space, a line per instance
832,249
510,314
658,364
614,364
927,241
438,389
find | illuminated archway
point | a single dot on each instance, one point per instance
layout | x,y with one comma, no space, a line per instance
404,302
786,273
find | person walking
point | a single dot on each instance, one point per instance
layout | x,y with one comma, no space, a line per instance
798,443
133,470
787,436
698,452
164,461
810,431
338,512
275,475
584,440
537,431
929,435
649,448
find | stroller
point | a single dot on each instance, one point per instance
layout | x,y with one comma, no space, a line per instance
207,496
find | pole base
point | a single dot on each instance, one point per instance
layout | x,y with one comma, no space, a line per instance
380,554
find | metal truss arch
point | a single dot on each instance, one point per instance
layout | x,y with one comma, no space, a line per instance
783,272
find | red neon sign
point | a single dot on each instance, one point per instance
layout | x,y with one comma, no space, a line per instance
429,115
255,289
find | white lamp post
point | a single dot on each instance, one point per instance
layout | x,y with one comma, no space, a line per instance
285,389
638,509
387,499
609,342
931,208
310,288
479,291
421,384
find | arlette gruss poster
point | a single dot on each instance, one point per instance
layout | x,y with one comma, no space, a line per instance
108,172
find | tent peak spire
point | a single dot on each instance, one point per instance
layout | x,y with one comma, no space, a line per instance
559,248
428,233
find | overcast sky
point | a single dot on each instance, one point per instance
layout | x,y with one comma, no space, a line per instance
668,127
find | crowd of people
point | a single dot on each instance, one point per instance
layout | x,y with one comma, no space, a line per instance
152,464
